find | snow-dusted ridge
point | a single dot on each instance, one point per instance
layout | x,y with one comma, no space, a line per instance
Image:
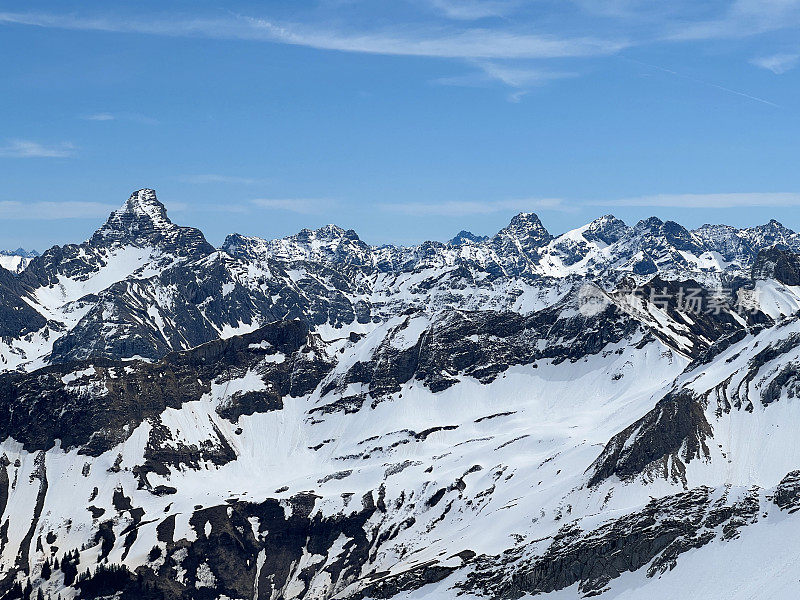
317,418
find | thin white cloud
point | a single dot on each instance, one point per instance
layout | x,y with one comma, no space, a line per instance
777,63
100,117
521,78
743,18
431,42
444,43
30,149
468,10
48,211
466,208
207,178
679,22
298,205
125,116
733,200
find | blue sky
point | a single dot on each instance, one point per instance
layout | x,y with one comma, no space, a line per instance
404,120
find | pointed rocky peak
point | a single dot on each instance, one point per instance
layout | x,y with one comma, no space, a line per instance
327,234
527,229
467,237
674,234
607,229
525,222
142,221
771,234
329,243
144,203
141,216
650,224
773,226
678,236
242,246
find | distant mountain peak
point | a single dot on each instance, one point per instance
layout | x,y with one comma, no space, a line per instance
771,233
528,229
525,220
143,221
326,233
20,252
144,202
607,229
466,237
141,215
329,243
649,224
142,205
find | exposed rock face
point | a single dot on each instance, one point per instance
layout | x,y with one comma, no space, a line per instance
654,537
467,237
672,434
17,317
94,405
776,263
484,344
315,418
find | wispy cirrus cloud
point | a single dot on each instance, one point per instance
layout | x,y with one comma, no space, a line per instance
741,18
443,42
569,31
777,63
512,76
469,10
100,117
304,206
49,211
31,149
520,76
523,79
730,200
457,208
124,116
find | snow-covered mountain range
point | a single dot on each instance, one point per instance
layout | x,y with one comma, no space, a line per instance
612,411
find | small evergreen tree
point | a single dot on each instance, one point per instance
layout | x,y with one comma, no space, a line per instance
46,571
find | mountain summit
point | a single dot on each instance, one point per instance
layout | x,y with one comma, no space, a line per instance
143,221
141,216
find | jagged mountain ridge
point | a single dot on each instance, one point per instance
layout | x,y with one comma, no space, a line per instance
314,417
139,270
